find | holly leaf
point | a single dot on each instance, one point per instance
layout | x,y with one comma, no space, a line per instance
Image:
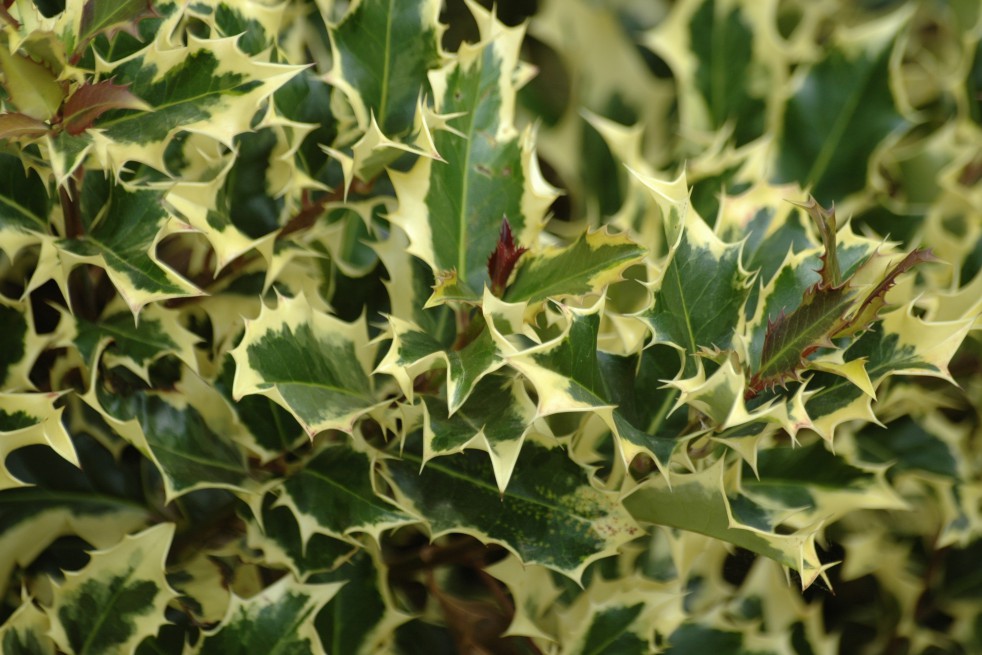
278,536
452,209
496,420
94,499
714,49
117,599
27,419
131,344
567,375
334,493
362,617
705,503
24,205
26,631
314,365
588,265
184,431
820,486
900,344
841,111
550,514
121,230
414,351
209,87
699,296
382,52
22,346
89,101
280,618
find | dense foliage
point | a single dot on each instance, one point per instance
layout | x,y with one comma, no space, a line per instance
388,326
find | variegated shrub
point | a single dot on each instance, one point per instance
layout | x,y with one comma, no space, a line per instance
420,327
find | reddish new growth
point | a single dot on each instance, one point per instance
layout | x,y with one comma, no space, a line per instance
503,259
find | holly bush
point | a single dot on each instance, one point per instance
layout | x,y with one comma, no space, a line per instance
562,327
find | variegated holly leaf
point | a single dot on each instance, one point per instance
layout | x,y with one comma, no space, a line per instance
534,591
452,209
817,484
715,49
414,351
254,23
132,344
550,514
841,110
120,232
208,87
335,493
709,502
278,536
118,599
267,429
900,344
24,205
702,288
96,500
311,363
588,265
410,284
184,431
85,20
620,616
382,52
497,419
22,344
362,617
569,375
27,419
692,637
26,631
278,619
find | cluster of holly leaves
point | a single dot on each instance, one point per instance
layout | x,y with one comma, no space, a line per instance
563,327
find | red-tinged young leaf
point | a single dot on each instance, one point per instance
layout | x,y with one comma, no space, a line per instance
14,125
502,261
792,337
875,300
92,100
827,227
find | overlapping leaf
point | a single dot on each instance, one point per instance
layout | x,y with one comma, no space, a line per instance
313,364
334,493
118,599
121,230
97,502
183,431
278,619
702,289
362,617
209,87
452,209
549,514
841,111
383,51
702,502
